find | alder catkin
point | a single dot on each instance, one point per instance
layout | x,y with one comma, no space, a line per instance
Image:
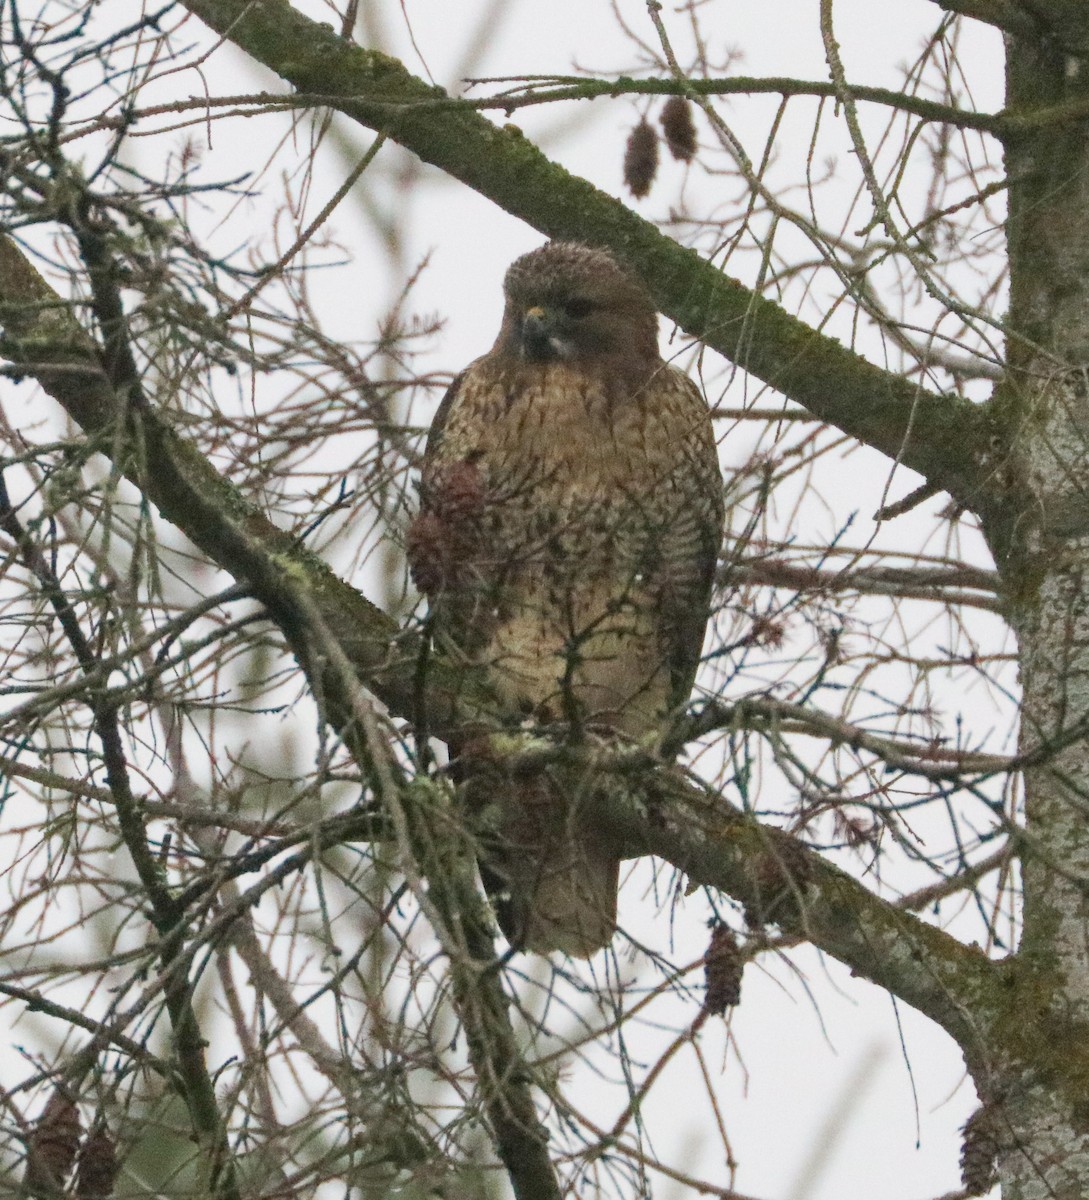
722,969
641,159
98,1166
52,1146
678,128
979,1150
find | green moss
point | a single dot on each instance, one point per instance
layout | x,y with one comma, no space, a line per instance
1027,1037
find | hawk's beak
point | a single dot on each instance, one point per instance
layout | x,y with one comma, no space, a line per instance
540,341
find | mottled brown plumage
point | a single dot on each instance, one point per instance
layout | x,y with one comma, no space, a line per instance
571,515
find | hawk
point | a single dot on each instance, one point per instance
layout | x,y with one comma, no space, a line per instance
571,513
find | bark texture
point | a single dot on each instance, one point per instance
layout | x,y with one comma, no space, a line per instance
1041,544
1021,462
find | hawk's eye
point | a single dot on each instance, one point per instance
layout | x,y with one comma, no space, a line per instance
578,307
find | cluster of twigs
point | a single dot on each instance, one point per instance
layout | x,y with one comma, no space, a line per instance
241,908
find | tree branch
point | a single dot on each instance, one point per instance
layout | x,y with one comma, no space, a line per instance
772,873
936,763
42,337
943,585
1060,23
780,881
316,612
937,436
1006,15
548,90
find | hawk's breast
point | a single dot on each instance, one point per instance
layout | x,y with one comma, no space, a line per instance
588,485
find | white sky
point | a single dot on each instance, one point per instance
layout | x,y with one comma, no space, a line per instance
828,1091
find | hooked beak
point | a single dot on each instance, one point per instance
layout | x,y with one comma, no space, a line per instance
540,341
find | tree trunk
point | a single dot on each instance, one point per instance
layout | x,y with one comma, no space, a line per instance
1042,546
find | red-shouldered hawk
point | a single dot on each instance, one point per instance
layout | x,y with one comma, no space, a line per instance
570,522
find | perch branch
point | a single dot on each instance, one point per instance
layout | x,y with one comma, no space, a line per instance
935,435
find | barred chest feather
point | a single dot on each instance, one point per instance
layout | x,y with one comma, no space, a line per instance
570,440
588,520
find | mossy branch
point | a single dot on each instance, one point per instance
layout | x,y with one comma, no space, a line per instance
1006,15
338,638
655,812
938,436
780,881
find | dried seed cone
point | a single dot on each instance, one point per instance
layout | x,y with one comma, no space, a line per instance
679,129
641,159
52,1145
723,965
427,552
979,1150
98,1166
459,493
443,539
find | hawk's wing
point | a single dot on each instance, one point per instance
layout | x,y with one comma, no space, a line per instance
692,519
442,413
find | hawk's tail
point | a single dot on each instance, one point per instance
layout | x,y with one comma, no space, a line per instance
553,882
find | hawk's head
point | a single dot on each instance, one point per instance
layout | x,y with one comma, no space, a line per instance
572,303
